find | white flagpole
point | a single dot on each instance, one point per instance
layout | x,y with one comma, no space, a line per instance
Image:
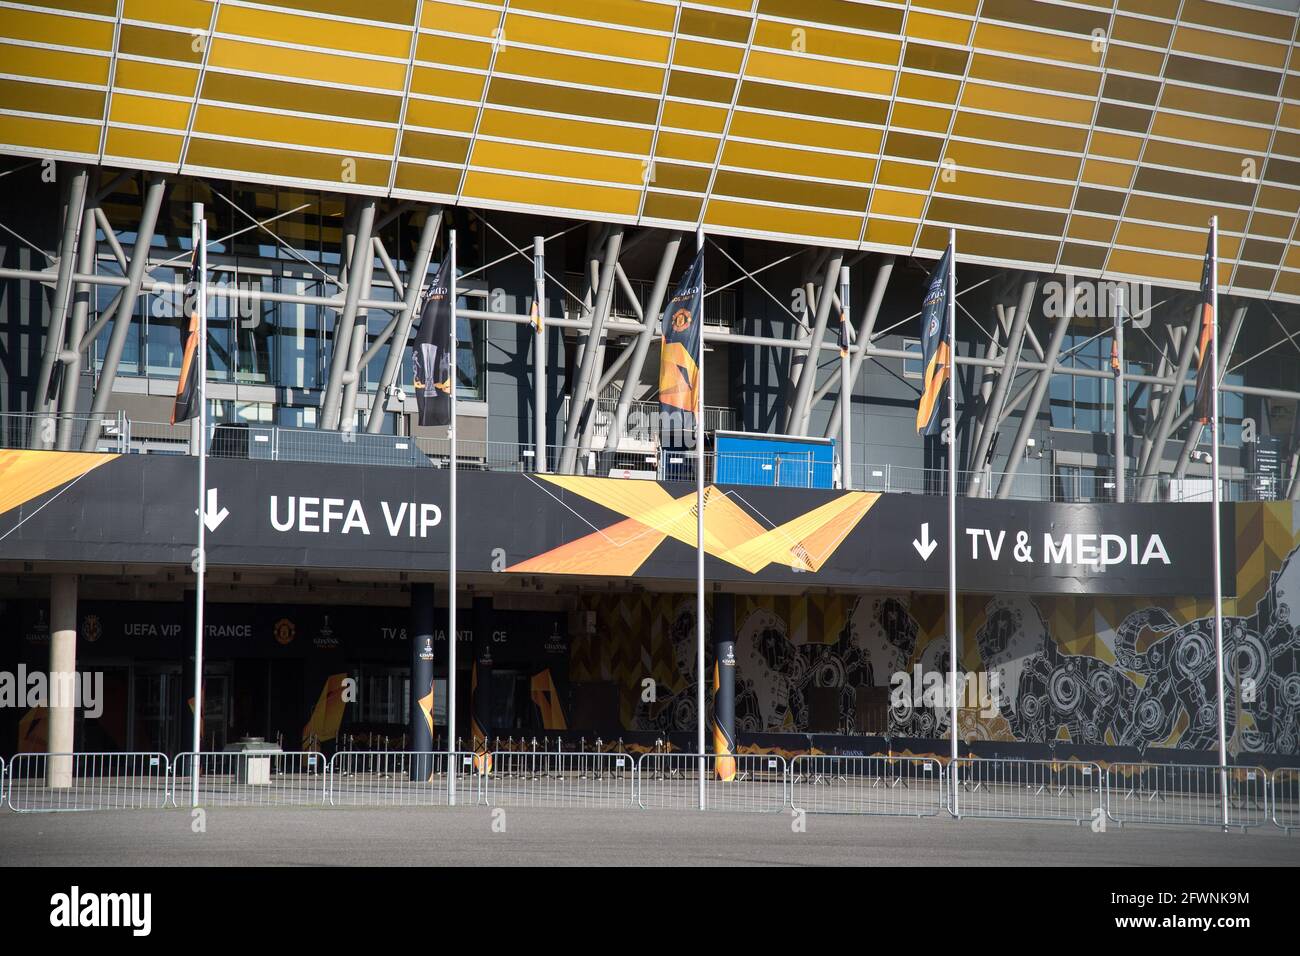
1213,360
952,502
846,398
699,533
199,238
451,548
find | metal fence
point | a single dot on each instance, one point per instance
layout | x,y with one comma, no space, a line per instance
996,788
1027,789
87,781
1285,788
251,779
401,778
671,781
1187,794
877,785
605,781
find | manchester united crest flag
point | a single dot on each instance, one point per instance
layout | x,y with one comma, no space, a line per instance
680,354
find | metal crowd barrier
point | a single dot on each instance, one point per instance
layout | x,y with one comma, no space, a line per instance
1186,794
604,781
877,785
1026,789
44,783
670,781
2,781
250,779
401,778
1285,785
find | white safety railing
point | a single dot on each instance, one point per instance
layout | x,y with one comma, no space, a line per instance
605,781
671,781
250,779
879,785
1026,789
636,457
1186,794
2,782
1285,788
402,778
43,783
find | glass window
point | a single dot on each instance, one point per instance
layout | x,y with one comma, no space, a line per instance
165,331
297,328
255,331
912,368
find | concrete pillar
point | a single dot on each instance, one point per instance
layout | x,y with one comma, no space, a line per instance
63,668
724,684
420,634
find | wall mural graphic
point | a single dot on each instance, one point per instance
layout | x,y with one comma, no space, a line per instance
1090,671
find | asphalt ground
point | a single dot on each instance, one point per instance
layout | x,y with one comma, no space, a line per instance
482,836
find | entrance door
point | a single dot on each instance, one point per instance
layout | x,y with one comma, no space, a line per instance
157,723
216,707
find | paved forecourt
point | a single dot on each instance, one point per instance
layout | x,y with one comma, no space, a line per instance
250,836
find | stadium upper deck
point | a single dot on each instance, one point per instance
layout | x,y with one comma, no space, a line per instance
1093,137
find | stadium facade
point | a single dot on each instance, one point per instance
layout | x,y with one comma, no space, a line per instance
822,150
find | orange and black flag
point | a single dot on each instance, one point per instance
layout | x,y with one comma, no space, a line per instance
934,347
680,356
187,386
1204,379
431,366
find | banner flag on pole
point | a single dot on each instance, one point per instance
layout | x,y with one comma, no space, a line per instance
934,348
680,356
1204,377
186,405
535,317
431,366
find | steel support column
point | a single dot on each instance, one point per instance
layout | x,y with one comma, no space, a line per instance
73,202
649,329
360,264
587,371
123,311
70,378
360,328
1010,359
801,407
1017,452
987,377
1164,425
866,327
410,301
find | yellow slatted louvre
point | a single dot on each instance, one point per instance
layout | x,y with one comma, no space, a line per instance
1098,133
321,32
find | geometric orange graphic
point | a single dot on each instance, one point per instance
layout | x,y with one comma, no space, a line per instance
731,533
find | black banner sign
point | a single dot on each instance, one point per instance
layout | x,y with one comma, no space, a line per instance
138,509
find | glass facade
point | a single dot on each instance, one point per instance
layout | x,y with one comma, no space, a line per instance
273,240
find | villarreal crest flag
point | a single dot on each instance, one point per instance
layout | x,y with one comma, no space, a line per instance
934,347
680,355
